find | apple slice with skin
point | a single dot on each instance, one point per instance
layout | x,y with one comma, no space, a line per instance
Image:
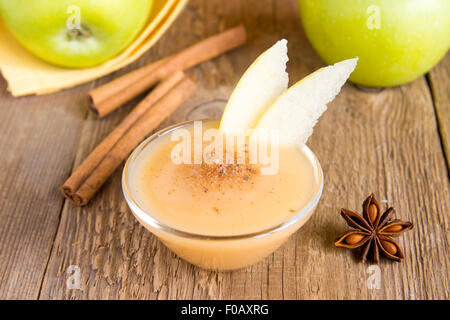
294,114
261,84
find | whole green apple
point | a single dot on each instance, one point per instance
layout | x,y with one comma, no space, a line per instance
396,40
75,33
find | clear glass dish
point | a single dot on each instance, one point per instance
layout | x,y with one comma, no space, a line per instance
219,252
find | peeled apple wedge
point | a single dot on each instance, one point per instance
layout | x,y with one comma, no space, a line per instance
294,114
261,84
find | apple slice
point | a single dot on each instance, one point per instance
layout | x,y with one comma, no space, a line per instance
297,110
261,84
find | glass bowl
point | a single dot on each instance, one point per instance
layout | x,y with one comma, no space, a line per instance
219,252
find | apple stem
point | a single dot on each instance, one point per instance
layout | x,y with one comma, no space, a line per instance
79,33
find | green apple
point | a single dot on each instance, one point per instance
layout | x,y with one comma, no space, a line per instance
75,33
396,40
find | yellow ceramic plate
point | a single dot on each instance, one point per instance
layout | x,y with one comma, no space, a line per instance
27,74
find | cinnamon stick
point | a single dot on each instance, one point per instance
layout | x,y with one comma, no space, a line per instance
105,159
108,90
112,95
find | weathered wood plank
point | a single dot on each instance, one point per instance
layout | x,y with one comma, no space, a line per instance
38,137
439,78
386,143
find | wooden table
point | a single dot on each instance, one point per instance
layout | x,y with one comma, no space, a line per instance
395,143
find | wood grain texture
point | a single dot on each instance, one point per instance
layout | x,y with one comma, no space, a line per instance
387,143
37,145
440,84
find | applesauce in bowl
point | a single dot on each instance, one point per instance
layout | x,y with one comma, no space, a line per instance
218,218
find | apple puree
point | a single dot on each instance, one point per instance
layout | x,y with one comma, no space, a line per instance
220,199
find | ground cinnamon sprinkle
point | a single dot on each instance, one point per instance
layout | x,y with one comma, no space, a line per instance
217,172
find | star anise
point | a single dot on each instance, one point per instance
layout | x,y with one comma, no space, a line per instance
373,231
